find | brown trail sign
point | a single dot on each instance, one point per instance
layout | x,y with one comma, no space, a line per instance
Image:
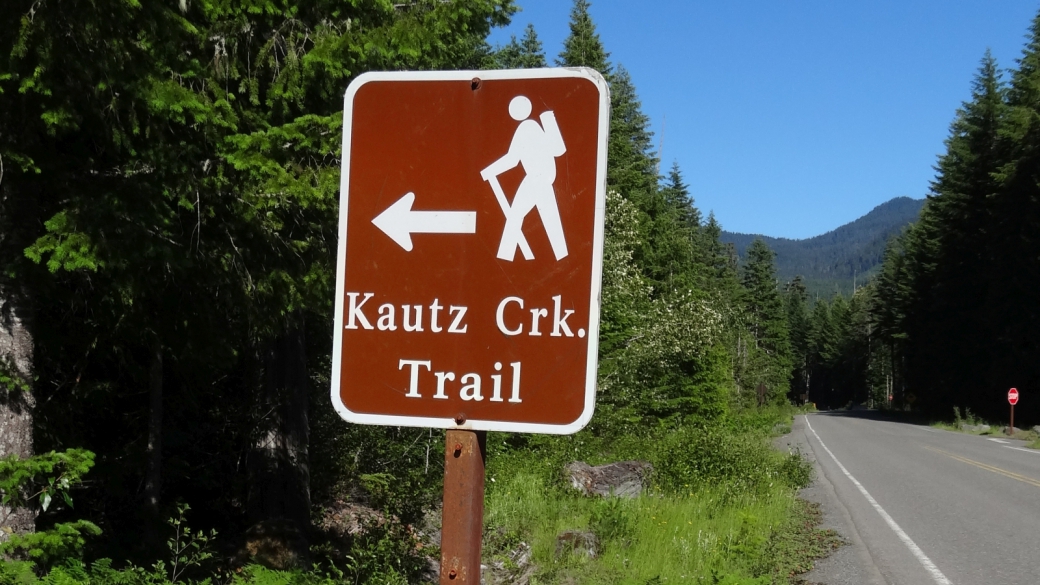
469,266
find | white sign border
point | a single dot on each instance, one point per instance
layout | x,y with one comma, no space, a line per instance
597,252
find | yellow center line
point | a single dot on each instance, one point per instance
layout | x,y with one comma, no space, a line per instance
1004,472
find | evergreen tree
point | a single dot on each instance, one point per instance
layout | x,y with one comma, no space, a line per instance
838,356
889,307
950,318
967,173
633,167
524,54
859,347
767,317
582,47
957,228
799,329
675,251
633,163
1008,311
677,196
934,300
821,347
721,260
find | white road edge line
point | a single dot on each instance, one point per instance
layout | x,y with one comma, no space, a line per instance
1033,451
927,563
1002,441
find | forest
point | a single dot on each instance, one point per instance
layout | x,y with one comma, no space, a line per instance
169,188
842,259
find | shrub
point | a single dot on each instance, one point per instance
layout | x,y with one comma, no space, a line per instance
743,462
611,519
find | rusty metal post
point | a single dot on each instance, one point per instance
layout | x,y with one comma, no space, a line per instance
462,518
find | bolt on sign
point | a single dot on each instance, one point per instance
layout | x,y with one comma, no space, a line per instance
471,249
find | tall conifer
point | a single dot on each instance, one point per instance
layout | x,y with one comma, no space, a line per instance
582,47
796,301
677,195
952,250
768,319
633,162
1013,268
721,260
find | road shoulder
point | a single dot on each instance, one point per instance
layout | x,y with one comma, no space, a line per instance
850,564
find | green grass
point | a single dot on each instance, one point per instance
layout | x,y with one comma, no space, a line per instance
698,537
734,520
955,427
967,417
1031,437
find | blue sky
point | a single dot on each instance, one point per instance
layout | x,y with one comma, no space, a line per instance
792,118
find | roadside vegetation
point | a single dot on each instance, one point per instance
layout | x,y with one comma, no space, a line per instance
965,421
720,507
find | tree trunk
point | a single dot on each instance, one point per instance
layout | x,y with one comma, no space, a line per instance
153,477
279,482
16,399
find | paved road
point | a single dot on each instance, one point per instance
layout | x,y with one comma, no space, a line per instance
921,506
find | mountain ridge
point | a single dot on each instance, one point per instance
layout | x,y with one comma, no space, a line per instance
841,259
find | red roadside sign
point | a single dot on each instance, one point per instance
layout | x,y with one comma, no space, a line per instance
1013,396
470,249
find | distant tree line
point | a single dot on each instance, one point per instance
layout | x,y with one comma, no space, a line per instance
842,259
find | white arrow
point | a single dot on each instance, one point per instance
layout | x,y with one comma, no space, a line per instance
400,222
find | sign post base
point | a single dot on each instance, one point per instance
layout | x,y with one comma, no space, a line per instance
462,517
